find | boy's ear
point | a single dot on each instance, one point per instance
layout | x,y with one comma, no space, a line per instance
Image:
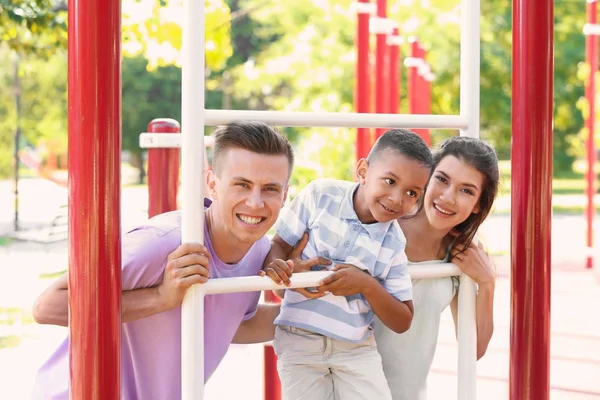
361,170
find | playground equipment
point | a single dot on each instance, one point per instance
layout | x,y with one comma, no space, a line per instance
372,18
591,31
94,155
163,170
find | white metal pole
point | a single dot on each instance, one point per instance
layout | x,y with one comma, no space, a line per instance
310,279
469,109
469,66
467,339
340,120
192,204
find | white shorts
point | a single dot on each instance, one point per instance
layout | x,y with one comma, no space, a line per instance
314,367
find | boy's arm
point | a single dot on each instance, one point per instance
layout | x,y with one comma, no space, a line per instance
349,280
395,314
186,266
280,271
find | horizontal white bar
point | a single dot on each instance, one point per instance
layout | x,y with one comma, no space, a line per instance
394,40
363,8
341,120
433,270
310,279
166,140
591,29
259,283
160,140
380,25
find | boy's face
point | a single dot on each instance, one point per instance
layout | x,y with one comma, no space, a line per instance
248,192
390,186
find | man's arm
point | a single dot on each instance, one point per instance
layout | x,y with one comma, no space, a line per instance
186,266
51,307
260,327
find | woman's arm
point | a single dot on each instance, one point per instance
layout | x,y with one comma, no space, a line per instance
475,262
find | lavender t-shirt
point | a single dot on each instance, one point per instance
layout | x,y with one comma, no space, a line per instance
151,346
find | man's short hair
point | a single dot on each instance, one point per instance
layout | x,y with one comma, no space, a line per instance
253,136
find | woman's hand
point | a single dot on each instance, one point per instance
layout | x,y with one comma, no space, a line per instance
476,263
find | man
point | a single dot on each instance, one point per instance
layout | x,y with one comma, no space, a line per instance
248,185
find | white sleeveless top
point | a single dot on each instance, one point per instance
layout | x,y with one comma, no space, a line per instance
407,357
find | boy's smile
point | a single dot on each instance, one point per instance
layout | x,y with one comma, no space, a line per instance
390,186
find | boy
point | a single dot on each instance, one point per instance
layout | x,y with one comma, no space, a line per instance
325,345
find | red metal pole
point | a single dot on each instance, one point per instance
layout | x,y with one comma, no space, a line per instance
272,382
362,86
415,83
94,94
381,68
591,55
424,93
413,75
532,83
163,170
393,42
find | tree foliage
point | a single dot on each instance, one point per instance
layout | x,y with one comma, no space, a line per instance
33,27
156,32
147,95
281,55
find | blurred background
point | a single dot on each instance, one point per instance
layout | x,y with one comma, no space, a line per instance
292,56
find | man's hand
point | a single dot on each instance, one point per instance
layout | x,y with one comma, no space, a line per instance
281,271
347,280
186,266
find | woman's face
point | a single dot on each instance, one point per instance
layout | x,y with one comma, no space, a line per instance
453,193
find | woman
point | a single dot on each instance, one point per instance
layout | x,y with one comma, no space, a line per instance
458,199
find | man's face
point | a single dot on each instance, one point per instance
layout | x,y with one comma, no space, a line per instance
248,191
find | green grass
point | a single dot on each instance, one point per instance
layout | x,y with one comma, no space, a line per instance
564,183
9,342
12,315
556,209
52,275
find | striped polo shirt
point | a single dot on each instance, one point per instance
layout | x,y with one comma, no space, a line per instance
325,209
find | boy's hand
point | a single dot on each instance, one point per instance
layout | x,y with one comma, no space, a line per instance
186,265
301,265
346,281
281,271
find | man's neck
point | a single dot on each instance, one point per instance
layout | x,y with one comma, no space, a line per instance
226,247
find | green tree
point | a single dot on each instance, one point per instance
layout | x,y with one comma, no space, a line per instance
34,27
7,114
154,30
147,94
310,64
